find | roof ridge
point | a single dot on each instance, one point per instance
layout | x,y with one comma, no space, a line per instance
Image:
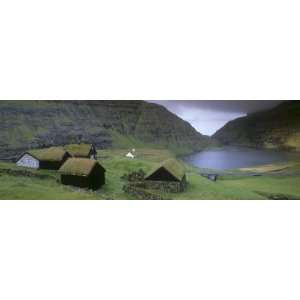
171,165
79,166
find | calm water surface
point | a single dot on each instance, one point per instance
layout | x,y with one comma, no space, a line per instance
236,157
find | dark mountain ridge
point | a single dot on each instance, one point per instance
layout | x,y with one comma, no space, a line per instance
35,124
276,128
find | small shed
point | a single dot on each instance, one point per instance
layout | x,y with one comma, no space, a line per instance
82,150
211,177
82,172
129,155
49,158
168,176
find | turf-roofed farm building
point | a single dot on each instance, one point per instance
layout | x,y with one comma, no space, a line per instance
82,150
49,158
82,172
169,176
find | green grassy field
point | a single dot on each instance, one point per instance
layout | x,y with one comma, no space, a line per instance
275,182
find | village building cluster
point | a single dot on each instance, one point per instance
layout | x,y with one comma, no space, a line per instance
78,166
76,163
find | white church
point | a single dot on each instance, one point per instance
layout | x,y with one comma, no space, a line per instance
130,154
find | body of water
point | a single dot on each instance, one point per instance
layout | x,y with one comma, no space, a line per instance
236,157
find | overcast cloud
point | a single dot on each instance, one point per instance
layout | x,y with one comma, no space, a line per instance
207,116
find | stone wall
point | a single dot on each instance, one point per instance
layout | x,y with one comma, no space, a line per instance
158,186
165,186
141,193
140,188
28,161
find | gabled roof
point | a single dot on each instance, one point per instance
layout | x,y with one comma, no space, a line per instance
48,154
172,166
79,166
79,150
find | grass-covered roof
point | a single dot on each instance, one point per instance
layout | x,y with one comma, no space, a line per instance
79,150
172,166
49,154
79,166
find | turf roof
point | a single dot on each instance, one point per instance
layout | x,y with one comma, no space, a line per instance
172,166
79,150
78,166
49,154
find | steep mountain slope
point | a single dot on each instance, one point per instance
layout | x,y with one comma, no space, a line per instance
33,124
277,128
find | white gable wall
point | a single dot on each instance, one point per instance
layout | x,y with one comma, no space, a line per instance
129,155
28,161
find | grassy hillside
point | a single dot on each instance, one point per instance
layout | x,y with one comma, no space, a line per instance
235,185
107,124
277,128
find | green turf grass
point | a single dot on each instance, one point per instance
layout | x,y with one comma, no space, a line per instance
233,186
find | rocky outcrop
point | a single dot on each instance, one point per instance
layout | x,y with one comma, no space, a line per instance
35,124
277,128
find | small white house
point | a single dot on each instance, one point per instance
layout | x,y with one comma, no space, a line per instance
129,155
48,158
29,161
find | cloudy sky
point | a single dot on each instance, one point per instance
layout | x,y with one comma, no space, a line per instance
208,116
